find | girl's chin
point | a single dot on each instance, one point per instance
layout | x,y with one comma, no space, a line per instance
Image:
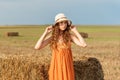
62,29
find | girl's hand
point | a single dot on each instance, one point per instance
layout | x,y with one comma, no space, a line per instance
73,28
48,29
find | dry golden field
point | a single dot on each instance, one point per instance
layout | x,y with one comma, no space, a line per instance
18,57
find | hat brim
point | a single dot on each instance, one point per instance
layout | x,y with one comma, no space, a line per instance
64,19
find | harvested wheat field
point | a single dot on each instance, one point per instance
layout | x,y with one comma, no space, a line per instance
98,61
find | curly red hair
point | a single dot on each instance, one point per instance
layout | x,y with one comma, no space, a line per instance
56,34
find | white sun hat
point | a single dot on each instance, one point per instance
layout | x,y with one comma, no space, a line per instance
61,17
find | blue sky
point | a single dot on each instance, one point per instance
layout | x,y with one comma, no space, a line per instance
88,12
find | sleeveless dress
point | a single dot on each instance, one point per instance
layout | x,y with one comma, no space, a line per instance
61,66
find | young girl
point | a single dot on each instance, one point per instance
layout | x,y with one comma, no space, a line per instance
61,67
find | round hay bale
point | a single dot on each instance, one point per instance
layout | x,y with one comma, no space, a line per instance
22,68
12,34
83,34
88,68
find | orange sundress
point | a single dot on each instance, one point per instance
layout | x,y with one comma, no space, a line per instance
61,66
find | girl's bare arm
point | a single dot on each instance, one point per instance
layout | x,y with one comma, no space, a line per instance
41,42
77,38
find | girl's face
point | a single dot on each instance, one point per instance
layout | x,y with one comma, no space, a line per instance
62,25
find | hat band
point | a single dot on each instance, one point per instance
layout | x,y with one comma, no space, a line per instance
61,18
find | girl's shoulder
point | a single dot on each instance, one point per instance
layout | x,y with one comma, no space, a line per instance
71,34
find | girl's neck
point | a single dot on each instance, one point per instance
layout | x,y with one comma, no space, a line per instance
60,34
